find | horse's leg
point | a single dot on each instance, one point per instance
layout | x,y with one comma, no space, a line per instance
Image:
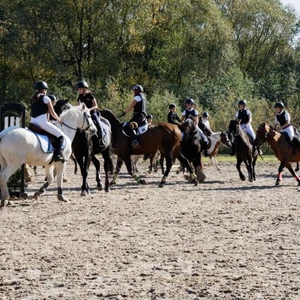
107,167
49,179
297,166
83,165
168,157
280,169
128,163
60,167
249,163
198,166
290,168
5,174
238,166
117,170
253,167
96,163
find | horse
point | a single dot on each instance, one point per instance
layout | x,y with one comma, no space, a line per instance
282,150
214,142
21,146
85,150
243,150
164,137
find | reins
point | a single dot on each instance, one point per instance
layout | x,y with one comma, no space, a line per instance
81,129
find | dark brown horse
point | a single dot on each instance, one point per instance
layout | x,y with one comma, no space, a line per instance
284,152
243,150
164,137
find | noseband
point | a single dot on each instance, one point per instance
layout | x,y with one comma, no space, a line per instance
85,118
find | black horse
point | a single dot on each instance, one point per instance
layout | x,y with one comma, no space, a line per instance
243,150
85,149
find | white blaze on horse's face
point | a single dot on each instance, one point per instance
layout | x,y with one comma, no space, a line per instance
88,124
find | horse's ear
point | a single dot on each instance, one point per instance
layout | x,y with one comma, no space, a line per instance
239,121
83,106
66,101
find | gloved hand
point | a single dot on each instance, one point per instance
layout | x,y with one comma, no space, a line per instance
123,114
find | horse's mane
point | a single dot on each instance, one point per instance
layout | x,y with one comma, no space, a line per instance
108,114
241,133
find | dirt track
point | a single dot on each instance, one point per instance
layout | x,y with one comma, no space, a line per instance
224,239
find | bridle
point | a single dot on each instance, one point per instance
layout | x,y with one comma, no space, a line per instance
85,118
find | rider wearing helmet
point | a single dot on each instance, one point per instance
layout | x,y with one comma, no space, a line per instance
149,118
244,115
191,113
205,120
283,119
172,115
41,104
138,105
85,96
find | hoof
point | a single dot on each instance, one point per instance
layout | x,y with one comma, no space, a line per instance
243,178
196,182
36,196
277,183
113,182
65,180
107,190
142,181
4,203
60,197
83,193
161,185
100,187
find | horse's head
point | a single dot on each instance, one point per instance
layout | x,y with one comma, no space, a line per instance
61,105
233,128
224,139
262,134
187,127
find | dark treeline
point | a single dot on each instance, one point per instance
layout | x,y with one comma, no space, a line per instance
214,51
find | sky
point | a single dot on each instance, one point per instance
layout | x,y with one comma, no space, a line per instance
294,3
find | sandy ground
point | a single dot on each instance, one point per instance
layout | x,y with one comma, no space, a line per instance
224,239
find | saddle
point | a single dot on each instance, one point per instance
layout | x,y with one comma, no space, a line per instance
142,128
294,144
47,141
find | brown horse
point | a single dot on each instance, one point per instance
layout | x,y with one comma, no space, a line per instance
164,137
284,152
243,150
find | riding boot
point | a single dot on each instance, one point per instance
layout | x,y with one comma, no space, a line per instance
133,136
57,156
232,153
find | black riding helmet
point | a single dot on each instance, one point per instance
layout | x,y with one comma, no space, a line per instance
279,104
172,106
40,85
189,101
242,102
82,84
205,115
138,87
149,117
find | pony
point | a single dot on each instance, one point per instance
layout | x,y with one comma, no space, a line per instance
214,142
243,150
164,137
21,146
282,150
85,149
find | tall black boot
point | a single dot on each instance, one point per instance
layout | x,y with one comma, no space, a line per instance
57,156
134,140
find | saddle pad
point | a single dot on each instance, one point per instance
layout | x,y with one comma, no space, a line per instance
140,130
287,139
45,144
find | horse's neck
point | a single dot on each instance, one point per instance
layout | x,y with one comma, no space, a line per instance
216,136
71,122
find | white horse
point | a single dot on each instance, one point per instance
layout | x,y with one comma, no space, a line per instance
19,145
214,142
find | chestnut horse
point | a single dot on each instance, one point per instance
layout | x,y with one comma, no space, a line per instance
243,150
284,152
164,137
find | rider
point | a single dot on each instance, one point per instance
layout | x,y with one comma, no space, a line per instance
149,119
138,105
283,119
85,96
40,105
244,115
172,115
205,120
191,113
